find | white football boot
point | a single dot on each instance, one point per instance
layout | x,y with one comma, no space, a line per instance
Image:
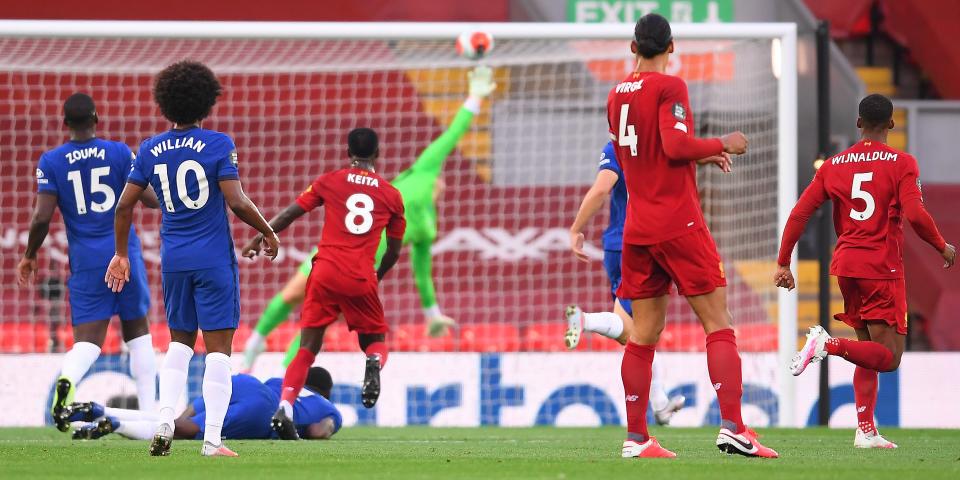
871,440
813,350
574,317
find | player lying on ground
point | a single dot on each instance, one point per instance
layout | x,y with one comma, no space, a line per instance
665,237
420,186
248,415
359,205
81,178
872,186
615,324
195,172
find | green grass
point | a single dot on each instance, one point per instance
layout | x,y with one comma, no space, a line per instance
487,453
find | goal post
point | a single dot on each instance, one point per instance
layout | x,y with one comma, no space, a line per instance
293,89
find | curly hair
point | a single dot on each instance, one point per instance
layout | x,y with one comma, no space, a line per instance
186,92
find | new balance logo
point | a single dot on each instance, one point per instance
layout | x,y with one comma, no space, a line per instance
861,409
632,398
716,386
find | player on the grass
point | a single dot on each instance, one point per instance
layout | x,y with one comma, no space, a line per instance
194,171
248,416
616,323
873,187
665,237
419,186
359,205
82,178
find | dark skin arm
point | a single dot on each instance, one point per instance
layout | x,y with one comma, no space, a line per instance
322,430
278,223
118,272
149,199
390,257
244,208
39,227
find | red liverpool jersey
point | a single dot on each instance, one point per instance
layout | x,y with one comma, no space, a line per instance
652,128
868,184
359,205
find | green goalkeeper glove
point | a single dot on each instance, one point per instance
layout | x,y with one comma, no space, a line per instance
481,82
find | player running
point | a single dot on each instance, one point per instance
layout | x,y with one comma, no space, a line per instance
614,324
195,171
665,237
81,178
359,206
248,416
872,186
420,187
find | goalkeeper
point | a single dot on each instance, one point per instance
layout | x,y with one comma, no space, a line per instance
420,187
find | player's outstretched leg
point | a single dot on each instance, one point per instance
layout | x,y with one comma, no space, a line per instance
93,431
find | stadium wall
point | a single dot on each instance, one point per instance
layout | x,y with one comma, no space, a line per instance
526,389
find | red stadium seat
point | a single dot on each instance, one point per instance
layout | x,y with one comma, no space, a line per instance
414,338
682,337
489,337
161,336
240,337
599,343
338,338
111,343
757,337
280,338
546,337
24,337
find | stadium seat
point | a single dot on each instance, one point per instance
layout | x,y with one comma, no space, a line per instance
24,337
682,337
280,338
599,343
489,337
240,337
161,336
111,343
338,338
757,337
546,337
414,338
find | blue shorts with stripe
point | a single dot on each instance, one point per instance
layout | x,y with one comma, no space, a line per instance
611,263
207,299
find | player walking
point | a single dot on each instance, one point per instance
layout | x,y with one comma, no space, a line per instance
359,206
872,186
665,237
82,177
195,171
419,186
616,323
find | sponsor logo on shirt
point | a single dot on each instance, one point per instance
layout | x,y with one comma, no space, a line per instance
233,158
40,179
40,174
679,112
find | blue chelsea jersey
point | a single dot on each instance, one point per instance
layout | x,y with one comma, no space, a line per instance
309,408
185,167
87,178
613,235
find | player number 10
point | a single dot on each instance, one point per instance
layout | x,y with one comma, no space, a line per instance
857,192
360,205
160,170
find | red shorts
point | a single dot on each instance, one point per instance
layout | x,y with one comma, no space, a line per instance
330,294
866,300
691,261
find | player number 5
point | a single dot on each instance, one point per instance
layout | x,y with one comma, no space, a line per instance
857,192
628,133
360,205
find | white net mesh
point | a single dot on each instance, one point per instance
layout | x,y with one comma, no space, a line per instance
501,265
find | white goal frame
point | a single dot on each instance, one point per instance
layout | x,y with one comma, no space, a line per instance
784,36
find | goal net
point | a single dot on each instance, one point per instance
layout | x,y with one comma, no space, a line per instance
501,263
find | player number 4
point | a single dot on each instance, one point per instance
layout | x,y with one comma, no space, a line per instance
360,206
857,192
628,133
110,197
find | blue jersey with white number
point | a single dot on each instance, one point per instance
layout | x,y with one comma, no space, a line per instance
87,178
613,235
185,167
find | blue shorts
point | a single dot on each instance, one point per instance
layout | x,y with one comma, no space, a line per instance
611,263
207,299
91,300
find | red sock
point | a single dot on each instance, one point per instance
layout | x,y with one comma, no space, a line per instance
378,348
866,354
636,370
723,363
296,375
865,396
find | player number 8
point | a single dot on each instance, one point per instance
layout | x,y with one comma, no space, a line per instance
359,205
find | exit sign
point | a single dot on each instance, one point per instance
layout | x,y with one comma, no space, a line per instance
629,11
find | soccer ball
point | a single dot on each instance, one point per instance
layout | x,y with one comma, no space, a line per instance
474,45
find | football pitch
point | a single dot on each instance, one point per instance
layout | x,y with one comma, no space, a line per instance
424,452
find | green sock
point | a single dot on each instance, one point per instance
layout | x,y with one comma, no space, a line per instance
275,314
292,350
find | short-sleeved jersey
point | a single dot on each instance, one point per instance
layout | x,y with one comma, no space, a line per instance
664,202
185,167
310,407
613,235
868,184
87,178
359,205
